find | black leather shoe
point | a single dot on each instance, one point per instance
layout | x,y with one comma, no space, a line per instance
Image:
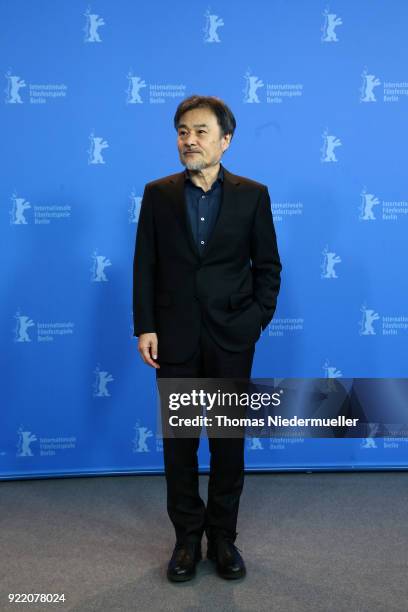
229,563
182,565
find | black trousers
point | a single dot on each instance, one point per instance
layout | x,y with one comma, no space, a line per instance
185,507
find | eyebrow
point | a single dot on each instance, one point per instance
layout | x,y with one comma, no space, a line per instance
195,125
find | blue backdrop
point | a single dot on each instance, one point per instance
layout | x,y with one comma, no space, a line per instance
320,94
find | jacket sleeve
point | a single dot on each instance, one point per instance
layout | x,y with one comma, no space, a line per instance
266,265
144,268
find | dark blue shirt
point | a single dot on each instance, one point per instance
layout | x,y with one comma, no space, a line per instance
203,207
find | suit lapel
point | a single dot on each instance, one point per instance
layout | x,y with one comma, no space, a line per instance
230,186
176,185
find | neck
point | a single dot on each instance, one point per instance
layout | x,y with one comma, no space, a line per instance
205,177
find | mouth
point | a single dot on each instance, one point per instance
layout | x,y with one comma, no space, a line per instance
191,152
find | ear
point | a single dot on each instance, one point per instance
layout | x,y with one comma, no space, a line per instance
226,141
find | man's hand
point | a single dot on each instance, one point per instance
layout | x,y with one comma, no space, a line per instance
147,348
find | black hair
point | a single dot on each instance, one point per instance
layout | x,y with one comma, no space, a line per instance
223,113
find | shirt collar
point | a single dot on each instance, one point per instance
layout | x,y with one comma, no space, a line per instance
220,175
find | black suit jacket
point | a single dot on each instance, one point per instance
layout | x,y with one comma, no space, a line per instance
232,287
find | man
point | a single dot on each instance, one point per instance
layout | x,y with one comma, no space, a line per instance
206,278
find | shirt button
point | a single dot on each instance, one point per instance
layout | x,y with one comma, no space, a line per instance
202,219
202,197
202,242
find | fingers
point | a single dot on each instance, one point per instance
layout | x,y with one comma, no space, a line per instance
147,358
148,352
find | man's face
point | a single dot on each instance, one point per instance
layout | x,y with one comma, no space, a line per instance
199,139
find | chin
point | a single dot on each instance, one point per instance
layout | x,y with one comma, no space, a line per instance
194,165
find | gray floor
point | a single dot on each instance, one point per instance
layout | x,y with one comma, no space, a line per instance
311,542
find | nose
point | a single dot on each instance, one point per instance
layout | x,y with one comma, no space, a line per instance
189,140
